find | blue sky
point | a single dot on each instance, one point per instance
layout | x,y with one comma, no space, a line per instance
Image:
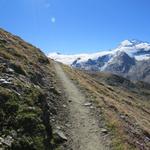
76,26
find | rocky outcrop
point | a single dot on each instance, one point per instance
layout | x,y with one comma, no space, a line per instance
120,64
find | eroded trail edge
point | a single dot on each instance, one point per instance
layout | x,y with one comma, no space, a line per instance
85,130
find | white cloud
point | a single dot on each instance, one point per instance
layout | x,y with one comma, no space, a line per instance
53,19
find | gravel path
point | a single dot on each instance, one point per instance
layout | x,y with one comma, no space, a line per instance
85,132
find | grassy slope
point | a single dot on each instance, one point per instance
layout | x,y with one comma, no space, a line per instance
26,102
125,107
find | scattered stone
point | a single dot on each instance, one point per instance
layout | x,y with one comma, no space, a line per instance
58,127
53,120
122,116
104,131
64,106
59,92
91,107
60,136
70,101
17,93
52,88
19,130
87,104
31,108
36,86
9,79
4,81
9,70
51,114
141,144
1,140
147,139
68,125
7,141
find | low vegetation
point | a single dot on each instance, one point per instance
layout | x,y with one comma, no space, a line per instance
26,96
124,105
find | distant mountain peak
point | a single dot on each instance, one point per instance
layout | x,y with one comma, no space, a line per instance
130,43
137,49
126,43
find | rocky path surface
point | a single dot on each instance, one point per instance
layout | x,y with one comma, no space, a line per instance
84,129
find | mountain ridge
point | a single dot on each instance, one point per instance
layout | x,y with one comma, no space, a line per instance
126,45
134,52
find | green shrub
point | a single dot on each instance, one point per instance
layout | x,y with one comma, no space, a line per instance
11,107
43,60
24,143
18,69
2,117
41,129
28,122
39,143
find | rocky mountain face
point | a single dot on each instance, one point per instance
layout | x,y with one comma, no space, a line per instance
140,71
28,98
130,59
120,64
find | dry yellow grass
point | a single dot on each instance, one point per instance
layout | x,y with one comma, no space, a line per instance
127,115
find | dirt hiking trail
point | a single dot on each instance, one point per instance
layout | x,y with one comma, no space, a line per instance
84,131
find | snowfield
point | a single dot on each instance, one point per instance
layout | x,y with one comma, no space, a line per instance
134,48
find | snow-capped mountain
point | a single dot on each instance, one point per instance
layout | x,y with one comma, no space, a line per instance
134,48
121,60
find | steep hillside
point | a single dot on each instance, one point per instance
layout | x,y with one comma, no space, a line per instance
28,97
122,107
